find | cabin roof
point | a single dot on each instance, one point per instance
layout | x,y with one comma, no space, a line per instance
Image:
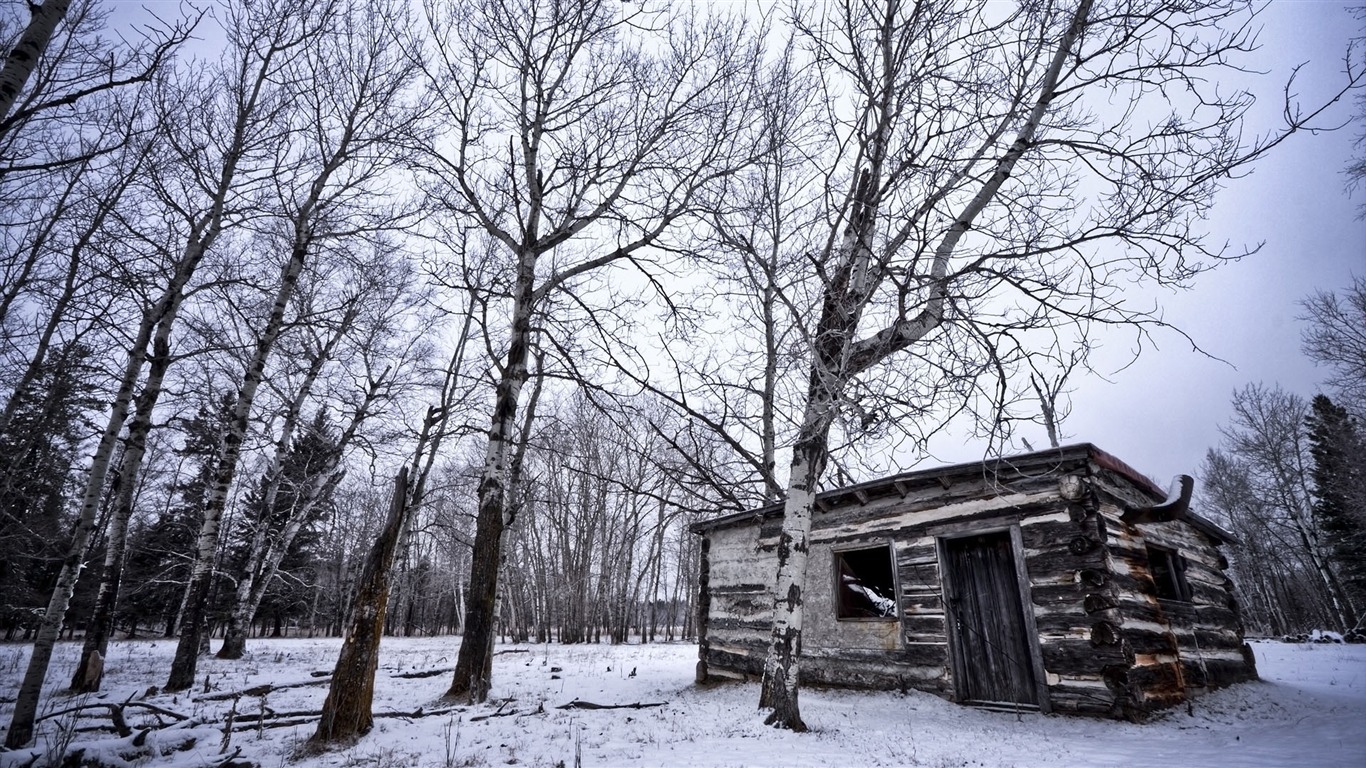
1053,460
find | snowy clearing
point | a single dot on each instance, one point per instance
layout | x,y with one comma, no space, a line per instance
1308,710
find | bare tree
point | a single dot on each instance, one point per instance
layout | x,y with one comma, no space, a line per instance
346,711
1050,390
747,315
341,112
42,84
1262,481
1336,338
581,133
978,191
205,219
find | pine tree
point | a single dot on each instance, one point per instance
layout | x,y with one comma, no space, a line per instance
1339,488
158,564
37,458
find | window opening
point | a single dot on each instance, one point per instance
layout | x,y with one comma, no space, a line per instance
1168,570
866,588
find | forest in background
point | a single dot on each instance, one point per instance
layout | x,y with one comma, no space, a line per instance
254,261
1289,480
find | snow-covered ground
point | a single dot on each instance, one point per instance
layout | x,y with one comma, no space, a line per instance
1308,710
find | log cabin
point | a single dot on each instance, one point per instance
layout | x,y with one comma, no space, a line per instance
1056,581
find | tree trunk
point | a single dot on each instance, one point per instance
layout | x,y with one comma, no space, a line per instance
192,623
346,711
781,675
23,58
1338,602
476,647
101,621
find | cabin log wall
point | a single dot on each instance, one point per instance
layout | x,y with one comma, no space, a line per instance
1106,645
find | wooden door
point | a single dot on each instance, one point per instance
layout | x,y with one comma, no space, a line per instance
992,659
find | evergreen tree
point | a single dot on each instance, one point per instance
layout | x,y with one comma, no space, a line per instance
38,454
1339,488
288,594
159,551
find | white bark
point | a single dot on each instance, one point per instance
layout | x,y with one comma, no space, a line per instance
268,550
24,56
837,358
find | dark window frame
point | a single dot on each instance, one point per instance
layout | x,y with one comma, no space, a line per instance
861,598
1167,567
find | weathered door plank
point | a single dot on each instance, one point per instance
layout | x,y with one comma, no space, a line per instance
993,662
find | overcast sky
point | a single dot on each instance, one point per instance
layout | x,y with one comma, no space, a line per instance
1162,413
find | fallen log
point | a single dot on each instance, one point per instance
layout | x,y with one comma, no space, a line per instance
421,674
117,716
134,748
157,710
577,704
261,690
273,719
496,713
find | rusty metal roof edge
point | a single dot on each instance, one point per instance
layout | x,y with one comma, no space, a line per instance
1065,453
1073,452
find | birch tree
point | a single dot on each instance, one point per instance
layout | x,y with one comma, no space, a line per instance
580,133
60,70
1336,338
23,58
377,301
342,112
746,314
979,188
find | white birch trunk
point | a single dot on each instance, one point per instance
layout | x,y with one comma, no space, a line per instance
24,56
261,572
197,591
837,358
470,678
264,556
